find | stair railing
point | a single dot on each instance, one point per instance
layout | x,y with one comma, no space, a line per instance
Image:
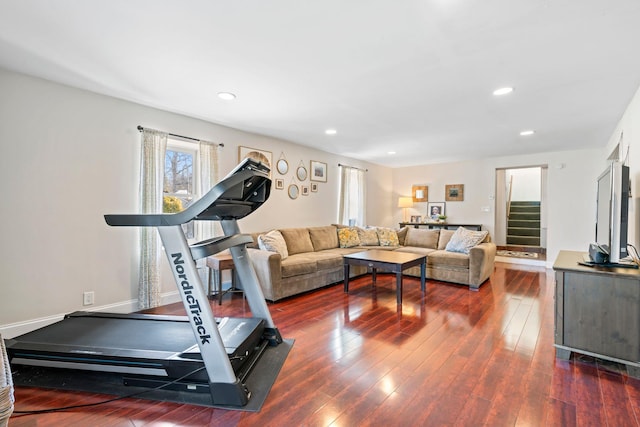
509,196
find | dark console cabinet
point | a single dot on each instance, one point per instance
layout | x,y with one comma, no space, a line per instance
597,311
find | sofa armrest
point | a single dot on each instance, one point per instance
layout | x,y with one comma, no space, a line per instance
481,262
268,269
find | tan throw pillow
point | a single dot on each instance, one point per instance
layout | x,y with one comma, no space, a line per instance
273,242
463,240
298,240
368,236
348,237
422,238
402,234
388,237
323,237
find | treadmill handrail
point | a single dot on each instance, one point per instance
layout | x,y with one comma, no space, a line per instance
243,174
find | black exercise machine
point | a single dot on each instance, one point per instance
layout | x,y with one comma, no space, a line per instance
195,353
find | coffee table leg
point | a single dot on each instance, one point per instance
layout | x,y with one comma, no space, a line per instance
220,286
210,283
374,276
399,287
346,278
423,276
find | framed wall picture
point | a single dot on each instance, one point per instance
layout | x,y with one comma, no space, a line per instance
454,192
265,157
314,187
301,172
282,166
435,210
279,184
420,193
293,191
318,171
305,190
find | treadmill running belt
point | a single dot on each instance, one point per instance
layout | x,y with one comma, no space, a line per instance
157,345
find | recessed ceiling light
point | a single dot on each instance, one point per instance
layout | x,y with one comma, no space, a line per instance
227,96
330,131
502,91
391,152
527,132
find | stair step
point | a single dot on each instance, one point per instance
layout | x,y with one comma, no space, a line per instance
522,248
524,203
523,224
525,216
523,231
525,209
523,240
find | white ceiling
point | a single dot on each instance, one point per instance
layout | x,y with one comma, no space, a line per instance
410,76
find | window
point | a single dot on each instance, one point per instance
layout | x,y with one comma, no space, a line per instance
352,197
179,189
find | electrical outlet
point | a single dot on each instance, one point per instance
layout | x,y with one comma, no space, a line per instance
88,298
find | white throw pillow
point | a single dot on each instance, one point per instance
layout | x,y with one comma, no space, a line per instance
273,242
463,240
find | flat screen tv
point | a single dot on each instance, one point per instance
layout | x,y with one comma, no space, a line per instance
612,212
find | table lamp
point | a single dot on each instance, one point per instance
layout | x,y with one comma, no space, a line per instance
404,203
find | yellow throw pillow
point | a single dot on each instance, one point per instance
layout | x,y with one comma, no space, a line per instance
348,237
388,237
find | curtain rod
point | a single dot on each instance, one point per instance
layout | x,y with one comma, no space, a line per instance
140,129
353,167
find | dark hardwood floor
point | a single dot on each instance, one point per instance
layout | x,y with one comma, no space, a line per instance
453,357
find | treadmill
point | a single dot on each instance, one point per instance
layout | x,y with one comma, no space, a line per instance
196,353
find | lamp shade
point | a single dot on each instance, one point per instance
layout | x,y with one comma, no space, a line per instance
405,202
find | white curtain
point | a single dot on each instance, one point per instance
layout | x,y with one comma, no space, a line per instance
208,167
154,145
352,196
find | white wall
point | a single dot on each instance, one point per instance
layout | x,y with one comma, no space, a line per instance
627,136
526,184
69,156
571,193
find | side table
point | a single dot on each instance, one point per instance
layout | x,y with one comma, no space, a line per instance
217,263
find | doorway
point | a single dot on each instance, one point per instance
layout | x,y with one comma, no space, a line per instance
521,212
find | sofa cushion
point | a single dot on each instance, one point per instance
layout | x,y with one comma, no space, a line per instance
387,237
328,260
298,240
324,237
299,264
445,236
348,237
463,240
422,238
448,259
273,242
368,236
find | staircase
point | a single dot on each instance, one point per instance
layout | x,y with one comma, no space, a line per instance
523,227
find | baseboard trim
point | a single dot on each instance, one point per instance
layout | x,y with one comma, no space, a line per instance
15,329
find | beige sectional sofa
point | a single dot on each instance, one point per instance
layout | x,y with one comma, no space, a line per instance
313,258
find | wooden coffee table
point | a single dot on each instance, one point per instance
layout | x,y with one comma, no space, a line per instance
392,261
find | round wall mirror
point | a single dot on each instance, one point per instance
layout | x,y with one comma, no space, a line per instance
293,191
301,173
282,166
